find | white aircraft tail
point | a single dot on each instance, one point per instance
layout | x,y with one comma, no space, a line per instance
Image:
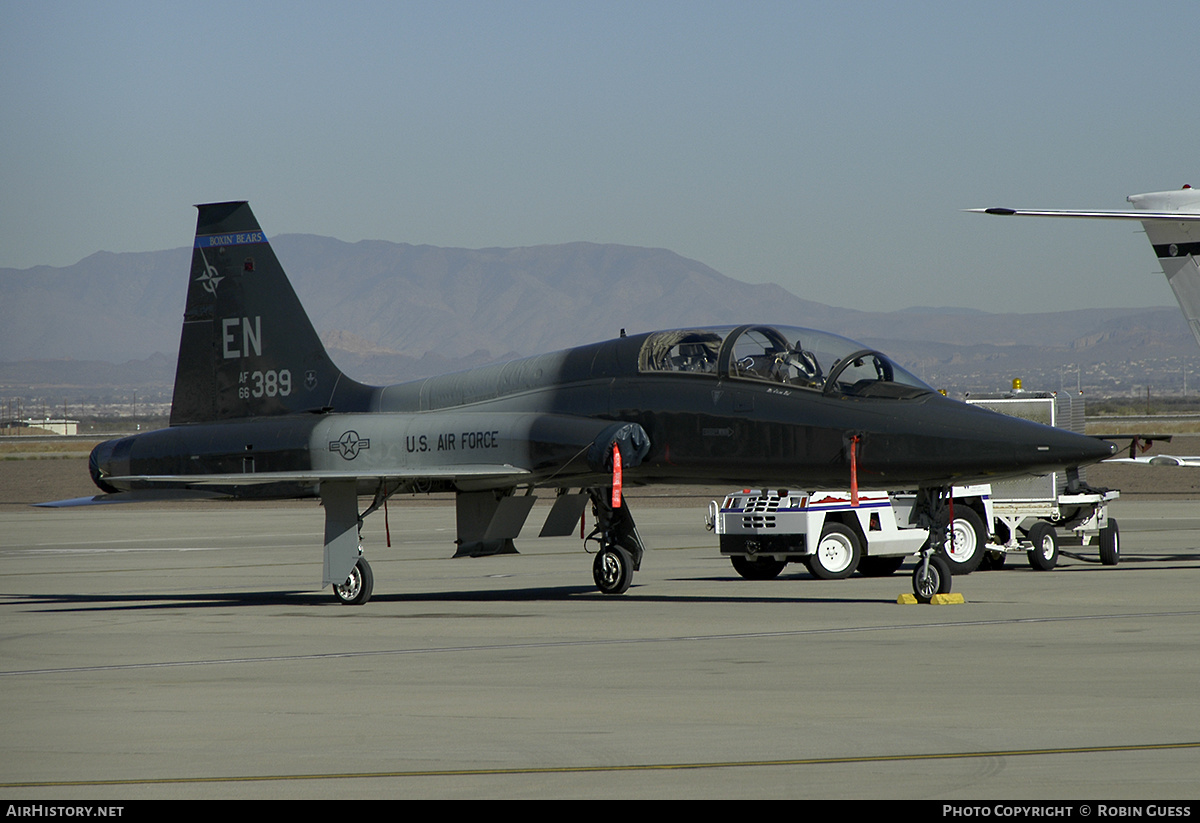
1172,223
1176,243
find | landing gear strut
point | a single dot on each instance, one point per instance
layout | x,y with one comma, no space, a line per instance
621,549
346,570
932,574
930,577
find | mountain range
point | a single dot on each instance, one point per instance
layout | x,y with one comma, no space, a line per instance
390,312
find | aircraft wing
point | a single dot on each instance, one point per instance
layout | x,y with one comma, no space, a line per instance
1142,442
481,471
145,496
171,482
1158,460
1168,219
1101,215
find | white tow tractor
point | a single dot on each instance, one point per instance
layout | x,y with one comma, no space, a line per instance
761,531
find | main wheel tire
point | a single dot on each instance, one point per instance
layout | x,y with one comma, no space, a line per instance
757,568
965,539
613,570
1110,544
880,566
935,579
1044,555
837,554
358,586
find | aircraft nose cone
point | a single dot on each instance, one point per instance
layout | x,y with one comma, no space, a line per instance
1050,448
1075,449
982,444
1099,450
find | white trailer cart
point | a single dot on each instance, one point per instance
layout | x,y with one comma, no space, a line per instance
1030,512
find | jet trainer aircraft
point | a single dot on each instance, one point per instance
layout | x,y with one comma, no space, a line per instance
1172,223
260,411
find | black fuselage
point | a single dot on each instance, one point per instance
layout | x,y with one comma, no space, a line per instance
539,413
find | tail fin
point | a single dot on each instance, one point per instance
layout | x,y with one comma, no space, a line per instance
1172,223
248,348
1176,241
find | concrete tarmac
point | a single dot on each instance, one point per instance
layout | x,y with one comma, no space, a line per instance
186,651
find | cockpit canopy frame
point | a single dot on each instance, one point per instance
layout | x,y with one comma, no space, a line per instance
786,355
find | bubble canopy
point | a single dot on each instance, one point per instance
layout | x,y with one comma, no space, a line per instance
786,355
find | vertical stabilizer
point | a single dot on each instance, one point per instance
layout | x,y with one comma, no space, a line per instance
248,348
1176,243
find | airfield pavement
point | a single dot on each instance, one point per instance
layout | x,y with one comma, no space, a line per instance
185,651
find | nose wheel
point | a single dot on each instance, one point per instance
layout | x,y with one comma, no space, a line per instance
930,577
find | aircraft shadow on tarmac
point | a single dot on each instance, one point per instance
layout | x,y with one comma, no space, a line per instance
806,590
745,593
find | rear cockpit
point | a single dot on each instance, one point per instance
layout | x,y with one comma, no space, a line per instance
794,357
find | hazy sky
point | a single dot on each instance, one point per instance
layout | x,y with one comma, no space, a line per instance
826,146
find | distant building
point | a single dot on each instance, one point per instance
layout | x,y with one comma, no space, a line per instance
58,426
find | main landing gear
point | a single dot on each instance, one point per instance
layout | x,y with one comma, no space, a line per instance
621,549
358,586
346,570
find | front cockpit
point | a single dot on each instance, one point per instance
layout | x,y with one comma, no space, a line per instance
795,357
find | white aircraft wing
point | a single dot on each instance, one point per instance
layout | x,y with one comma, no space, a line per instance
1169,218
1101,215
1158,460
